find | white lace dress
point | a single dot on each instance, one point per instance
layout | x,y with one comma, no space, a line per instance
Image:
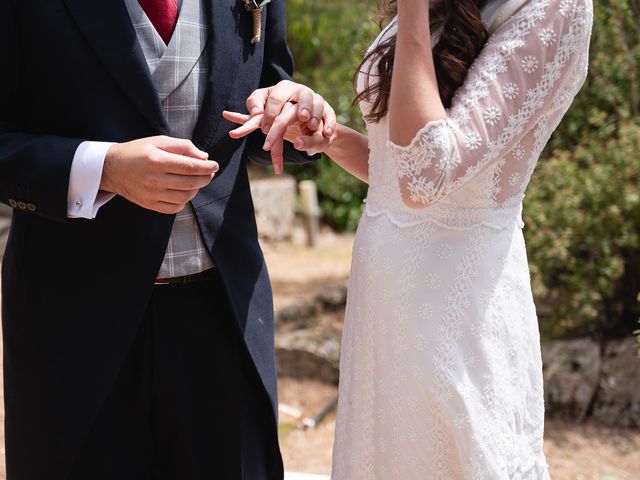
441,374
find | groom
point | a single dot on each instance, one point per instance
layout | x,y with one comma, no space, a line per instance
138,344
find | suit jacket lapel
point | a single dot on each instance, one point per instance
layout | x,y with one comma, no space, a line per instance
107,27
226,43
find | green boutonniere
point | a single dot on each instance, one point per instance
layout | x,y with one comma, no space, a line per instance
255,7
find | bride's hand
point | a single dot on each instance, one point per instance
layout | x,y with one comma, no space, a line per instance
311,108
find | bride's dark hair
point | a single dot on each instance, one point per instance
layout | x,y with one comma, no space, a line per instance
462,37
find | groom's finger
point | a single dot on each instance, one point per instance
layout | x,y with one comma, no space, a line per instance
257,100
305,105
282,93
317,112
330,122
274,107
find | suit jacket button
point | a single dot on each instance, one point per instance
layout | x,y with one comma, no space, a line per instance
31,207
22,205
13,203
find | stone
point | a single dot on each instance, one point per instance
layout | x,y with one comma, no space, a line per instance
274,199
304,313
309,354
571,373
617,401
333,298
299,314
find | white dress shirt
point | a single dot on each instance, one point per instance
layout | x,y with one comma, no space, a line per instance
84,197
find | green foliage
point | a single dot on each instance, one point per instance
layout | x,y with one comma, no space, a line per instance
583,206
583,235
328,40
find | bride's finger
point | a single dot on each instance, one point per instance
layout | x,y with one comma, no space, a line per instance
274,142
315,142
288,118
250,126
236,117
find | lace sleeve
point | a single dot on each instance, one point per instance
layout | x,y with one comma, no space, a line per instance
537,55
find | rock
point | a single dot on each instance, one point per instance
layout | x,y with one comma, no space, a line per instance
571,373
309,354
303,314
617,401
274,200
333,298
299,314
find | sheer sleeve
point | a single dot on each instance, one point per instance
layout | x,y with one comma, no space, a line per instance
534,59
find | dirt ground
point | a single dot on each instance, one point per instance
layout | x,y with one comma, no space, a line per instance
574,452
298,272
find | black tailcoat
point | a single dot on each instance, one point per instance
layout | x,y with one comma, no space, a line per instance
74,291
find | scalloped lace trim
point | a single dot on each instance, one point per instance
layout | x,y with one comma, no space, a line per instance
417,142
463,219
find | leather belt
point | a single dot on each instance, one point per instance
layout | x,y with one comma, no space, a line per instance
187,279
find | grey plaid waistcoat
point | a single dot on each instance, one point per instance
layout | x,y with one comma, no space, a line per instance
179,72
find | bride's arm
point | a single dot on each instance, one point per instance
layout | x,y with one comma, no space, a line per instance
350,150
415,100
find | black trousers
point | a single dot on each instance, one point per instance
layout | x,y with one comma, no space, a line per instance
188,404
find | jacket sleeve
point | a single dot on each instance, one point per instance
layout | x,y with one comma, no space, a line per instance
34,168
277,66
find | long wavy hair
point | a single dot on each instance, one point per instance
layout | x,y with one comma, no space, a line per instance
462,35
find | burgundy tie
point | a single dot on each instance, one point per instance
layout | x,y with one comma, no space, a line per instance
163,14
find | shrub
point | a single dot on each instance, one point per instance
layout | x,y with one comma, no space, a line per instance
583,236
328,40
583,205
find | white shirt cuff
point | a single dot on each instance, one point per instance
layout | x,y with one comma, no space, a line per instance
84,197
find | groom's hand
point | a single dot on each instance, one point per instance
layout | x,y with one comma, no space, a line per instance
311,109
289,104
158,173
285,127
287,111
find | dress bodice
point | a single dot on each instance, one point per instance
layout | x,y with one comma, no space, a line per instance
466,208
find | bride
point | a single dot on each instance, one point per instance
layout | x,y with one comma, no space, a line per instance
441,375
